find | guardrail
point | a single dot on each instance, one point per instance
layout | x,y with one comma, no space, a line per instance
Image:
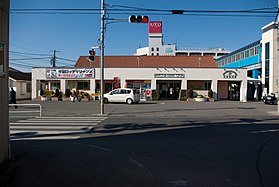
24,109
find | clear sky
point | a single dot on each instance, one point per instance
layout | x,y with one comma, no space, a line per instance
74,34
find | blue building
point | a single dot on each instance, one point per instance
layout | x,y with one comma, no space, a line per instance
260,58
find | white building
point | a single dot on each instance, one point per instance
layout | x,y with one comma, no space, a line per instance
155,42
166,76
269,58
21,83
156,46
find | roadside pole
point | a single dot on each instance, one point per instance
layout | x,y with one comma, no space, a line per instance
102,56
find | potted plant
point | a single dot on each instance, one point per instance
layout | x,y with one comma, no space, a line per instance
200,98
60,96
48,95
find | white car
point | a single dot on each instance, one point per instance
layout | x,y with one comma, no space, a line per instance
125,95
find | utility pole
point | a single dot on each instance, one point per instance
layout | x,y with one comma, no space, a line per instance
53,60
102,55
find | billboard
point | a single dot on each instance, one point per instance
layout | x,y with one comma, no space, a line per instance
69,73
155,27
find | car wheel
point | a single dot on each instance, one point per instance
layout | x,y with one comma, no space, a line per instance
129,101
106,100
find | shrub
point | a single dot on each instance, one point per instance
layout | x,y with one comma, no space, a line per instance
210,93
183,95
85,94
154,95
42,93
68,93
49,93
60,96
56,93
189,93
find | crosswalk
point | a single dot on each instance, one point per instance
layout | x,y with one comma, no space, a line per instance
53,127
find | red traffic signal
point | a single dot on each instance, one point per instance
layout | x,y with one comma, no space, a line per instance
138,19
92,55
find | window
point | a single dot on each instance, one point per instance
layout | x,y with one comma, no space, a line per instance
246,54
55,85
28,88
252,52
83,85
207,85
152,49
115,92
157,48
256,50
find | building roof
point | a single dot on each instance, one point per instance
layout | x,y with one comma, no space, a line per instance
18,75
148,62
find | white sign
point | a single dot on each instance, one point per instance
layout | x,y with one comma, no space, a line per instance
230,75
169,75
61,73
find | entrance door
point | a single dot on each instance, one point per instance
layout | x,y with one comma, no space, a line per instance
229,90
168,90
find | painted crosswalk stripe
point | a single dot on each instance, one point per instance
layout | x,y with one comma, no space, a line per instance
53,127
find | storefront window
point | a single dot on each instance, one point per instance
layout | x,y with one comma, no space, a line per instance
83,85
55,85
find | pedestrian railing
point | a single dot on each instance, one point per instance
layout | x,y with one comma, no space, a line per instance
25,110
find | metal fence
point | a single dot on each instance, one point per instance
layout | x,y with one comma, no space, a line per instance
25,110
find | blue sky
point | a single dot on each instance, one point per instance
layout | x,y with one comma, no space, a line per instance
73,34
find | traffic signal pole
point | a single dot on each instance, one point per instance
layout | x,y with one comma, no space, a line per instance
102,38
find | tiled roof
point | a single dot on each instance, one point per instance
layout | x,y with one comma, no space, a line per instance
148,62
18,75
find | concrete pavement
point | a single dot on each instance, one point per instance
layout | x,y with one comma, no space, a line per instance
66,159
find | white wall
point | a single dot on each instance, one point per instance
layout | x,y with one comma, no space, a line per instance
271,37
212,74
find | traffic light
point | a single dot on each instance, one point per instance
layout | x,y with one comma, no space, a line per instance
91,55
138,19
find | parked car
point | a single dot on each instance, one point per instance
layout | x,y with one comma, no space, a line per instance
125,95
270,99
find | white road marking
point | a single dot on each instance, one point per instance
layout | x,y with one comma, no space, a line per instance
52,127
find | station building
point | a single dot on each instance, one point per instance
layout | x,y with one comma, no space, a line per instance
260,58
165,75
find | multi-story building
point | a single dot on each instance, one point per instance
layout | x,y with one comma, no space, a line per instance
260,58
156,46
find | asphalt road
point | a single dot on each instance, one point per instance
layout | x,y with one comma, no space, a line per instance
166,143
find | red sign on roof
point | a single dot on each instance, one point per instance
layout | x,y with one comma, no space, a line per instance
155,27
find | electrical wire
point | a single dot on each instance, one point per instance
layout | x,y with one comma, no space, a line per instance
128,9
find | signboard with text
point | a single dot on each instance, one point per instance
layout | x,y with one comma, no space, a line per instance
70,73
169,75
155,27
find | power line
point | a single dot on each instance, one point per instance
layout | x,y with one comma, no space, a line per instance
30,58
33,54
260,12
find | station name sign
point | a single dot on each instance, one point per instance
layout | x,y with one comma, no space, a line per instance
155,27
229,75
70,73
169,75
